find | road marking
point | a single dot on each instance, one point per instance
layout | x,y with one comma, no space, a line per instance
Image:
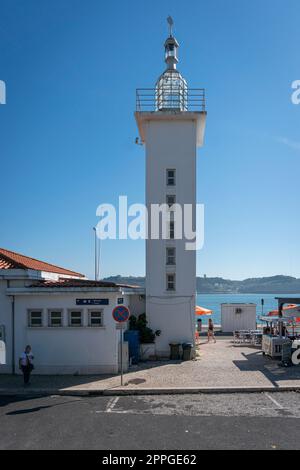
111,404
274,401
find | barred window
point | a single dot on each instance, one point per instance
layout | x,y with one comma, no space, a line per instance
95,318
75,318
171,256
170,199
171,229
171,174
35,318
170,281
55,318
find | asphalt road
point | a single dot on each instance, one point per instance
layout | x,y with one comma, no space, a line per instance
229,421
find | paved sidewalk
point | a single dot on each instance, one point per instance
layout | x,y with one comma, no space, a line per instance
219,367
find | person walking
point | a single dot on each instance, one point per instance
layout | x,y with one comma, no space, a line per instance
198,330
26,363
210,331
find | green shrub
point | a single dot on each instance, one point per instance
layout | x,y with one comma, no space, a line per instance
147,335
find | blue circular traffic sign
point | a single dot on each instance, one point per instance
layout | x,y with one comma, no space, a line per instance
120,313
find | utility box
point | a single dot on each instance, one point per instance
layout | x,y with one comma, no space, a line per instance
133,339
237,316
273,345
2,353
2,333
2,345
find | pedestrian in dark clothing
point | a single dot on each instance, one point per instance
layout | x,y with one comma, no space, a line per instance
210,331
26,364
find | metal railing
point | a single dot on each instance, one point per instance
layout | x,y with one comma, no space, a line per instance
168,99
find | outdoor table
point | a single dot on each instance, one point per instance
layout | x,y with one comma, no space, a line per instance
256,337
247,336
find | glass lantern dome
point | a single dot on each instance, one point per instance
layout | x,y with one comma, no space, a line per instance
171,91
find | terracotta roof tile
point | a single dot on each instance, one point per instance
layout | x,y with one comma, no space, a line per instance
12,260
79,283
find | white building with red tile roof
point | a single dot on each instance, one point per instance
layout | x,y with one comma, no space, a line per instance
9,260
65,317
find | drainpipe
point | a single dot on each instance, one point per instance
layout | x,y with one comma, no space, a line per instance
13,354
13,335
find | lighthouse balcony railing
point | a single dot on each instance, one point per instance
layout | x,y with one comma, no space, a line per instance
153,99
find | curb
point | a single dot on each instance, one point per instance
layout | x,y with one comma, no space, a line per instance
147,391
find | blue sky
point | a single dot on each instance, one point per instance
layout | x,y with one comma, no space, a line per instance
67,131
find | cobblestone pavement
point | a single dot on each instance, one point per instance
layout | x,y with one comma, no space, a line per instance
217,365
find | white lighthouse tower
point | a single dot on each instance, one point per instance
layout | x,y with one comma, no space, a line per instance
171,122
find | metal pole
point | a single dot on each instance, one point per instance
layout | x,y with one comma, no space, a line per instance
99,259
280,305
121,353
95,254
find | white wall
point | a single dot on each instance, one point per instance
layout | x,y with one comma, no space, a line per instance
65,350
175,317
14,278
170,144
137,304
6,320
231,321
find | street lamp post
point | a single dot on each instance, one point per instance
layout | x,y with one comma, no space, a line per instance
95,254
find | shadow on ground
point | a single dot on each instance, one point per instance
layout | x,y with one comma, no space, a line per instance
270,368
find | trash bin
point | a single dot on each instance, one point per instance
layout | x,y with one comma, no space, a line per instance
187,351
174,351
133,338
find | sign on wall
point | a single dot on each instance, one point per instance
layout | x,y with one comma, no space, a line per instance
92,301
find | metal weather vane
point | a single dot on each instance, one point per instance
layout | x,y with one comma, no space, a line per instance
171,24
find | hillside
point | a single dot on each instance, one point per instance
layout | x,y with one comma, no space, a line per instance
216,285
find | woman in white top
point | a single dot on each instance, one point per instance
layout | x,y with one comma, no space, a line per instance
26,363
